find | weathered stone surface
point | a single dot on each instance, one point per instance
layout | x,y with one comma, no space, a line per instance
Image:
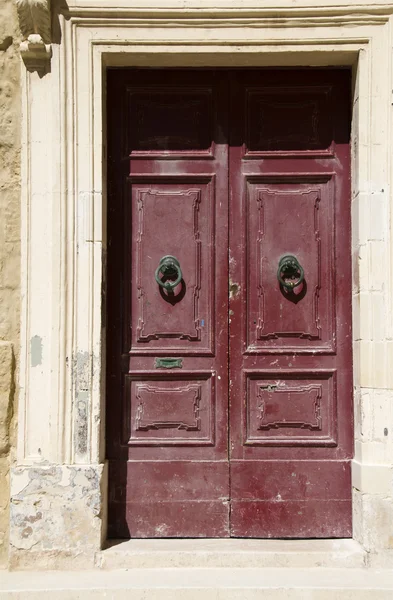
207,583
56,515
10,117
6,391
375,515
231,553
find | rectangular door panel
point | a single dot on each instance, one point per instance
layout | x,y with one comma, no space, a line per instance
169,121
292,409
173,217
290,216
289,120
177,410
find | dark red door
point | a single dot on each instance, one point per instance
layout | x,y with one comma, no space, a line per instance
175,139
290,347
168,344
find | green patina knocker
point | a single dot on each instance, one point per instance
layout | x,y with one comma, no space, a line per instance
169,266
290,272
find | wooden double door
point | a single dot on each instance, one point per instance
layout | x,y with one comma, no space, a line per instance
229,354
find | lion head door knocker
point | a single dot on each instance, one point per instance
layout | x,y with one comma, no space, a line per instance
290,273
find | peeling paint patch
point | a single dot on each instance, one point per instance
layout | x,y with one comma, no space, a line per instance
81,430
36,350
26,532
55,509
82,385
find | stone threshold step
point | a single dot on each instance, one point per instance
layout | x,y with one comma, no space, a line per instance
231,553
199,584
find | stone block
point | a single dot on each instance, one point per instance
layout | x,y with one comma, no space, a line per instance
379,216
378,316
56,515
373,515
382,423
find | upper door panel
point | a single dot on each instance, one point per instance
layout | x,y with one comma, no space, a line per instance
292,120
291,214
173,216
170,121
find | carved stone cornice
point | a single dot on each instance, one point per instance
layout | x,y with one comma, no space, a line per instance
35,25
227,9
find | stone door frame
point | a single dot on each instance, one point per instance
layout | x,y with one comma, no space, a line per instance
59,480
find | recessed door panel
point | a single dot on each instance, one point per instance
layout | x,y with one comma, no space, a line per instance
290,119
173,217
290,216
175,410
293,409
165,121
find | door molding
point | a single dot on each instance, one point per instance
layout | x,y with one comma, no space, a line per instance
60,455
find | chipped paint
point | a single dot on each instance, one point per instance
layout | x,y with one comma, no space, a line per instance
234,289
36,351
82,366
81,430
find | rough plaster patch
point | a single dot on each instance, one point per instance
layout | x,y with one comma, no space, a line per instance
36,350
56,508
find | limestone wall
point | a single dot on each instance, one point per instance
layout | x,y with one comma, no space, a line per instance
64,241
10,116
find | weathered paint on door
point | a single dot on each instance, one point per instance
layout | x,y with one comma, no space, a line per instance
169,156
265,452
290,350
